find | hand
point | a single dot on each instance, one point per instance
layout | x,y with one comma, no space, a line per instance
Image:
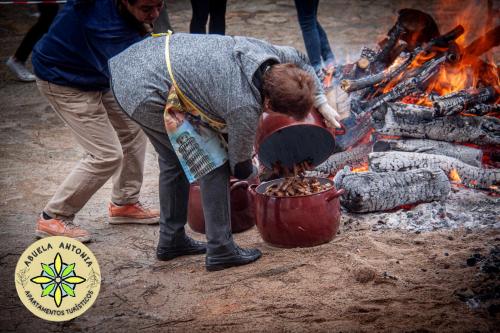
340,101
331,115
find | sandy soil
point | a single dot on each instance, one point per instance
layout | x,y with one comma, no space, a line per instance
367,279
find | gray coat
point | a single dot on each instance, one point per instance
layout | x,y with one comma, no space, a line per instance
215,72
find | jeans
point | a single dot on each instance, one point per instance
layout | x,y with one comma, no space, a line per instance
47,14
315,38
174,196
201,10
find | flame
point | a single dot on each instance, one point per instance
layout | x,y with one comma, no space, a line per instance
494,191
454,176
362,168
468,71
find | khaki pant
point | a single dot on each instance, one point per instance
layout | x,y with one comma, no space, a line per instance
114,146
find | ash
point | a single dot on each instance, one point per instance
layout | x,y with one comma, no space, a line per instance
464,208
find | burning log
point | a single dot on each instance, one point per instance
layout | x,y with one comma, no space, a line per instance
402,161
454,53
443,40
408,86
483,44
420,27
460,129
392,38
469,155
371,191
413,27
367,56
389,73
385,75
458,101
354,158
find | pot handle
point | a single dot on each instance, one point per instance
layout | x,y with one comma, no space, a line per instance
251,189
334,195
340,131
239,184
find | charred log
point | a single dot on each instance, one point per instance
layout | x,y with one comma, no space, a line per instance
388,44
454,53
483,44
469,155
420,27
370,80
371,191
458,101
408,86
367,54
355,157
411,112
402,161
460,129
483,109
357,127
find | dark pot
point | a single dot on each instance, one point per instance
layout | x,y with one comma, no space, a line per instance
289,141
299,221
242,208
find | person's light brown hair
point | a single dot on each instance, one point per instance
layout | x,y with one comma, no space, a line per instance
290,90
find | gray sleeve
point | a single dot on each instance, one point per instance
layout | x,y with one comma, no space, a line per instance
242,125
288,54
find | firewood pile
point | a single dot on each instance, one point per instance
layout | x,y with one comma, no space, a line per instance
425,102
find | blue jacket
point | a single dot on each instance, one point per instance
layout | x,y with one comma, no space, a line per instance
81,40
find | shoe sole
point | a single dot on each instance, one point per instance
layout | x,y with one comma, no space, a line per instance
180,254
42,234
219,267
131,220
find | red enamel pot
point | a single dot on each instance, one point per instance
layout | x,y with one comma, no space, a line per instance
242,208
299,221
283,139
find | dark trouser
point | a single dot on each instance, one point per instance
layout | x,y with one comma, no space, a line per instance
174,195
162,23
315,38
47,14
201,10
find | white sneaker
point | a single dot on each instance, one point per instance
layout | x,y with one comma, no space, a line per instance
20,71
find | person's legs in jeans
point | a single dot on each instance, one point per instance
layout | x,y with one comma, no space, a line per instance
306,12
16,63
47,14
217,23
200,16
326,51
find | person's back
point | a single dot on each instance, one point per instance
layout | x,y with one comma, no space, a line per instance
215,72
79,43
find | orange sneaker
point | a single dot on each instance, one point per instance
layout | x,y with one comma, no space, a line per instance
59,227
132,213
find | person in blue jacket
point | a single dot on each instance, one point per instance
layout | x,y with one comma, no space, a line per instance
71,66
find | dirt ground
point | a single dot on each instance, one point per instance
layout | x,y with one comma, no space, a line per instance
365,280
